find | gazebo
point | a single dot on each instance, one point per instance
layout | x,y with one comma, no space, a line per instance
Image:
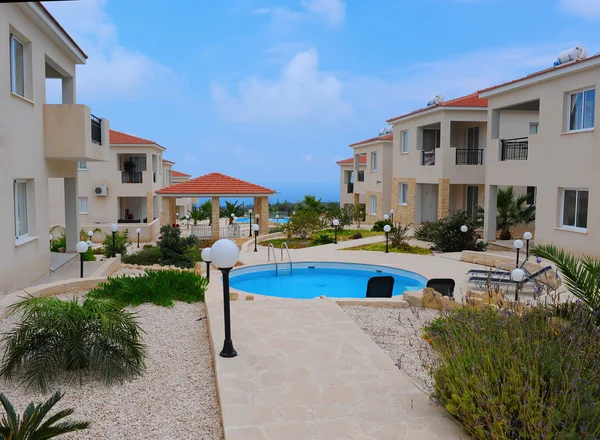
215,186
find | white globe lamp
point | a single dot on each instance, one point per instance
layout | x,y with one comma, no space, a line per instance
82,248
464,228
387,229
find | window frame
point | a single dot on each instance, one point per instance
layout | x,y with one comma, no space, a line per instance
12,38
570,102
16,209
79,168
374,159
537,127
402,202
562,209
534,196
87,203
404,146
373,206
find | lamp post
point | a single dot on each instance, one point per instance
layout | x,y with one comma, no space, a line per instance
82,248
250,223
276,218
392,212
336,223
518,244
177,218
205,255
386,217
387,229
225,254
257,216
90,234
517,275
187,220
232,217
113,229
527,236
139,231
255,228
464,228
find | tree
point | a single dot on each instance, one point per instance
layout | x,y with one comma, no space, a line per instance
206,209
304,223
197,214
230,208
174,249
30,426
512,210
311,203
358,214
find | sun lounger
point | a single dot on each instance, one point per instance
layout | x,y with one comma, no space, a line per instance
504,279
380,287
445,286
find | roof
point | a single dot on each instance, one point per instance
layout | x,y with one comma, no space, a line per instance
386,137
51,17
362,159
168,161
215,184
472,100
538,73
180,174
117,137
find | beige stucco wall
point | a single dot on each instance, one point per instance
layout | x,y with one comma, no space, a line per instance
556,159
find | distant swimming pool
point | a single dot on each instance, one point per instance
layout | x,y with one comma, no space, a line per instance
312,279
271,220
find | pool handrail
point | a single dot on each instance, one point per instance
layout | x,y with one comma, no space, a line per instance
288,254
269,249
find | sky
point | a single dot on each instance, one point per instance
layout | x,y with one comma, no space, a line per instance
274,91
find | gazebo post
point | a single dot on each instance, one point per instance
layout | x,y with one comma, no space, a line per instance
264,215
172,209
216,210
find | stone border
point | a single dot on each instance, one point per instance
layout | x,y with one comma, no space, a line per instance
110,266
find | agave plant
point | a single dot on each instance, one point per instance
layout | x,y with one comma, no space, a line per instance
581,275
66,336
30,426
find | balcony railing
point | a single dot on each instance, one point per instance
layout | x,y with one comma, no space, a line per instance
361,175
350,188
469,156
131,177
96,130
514,149
428,157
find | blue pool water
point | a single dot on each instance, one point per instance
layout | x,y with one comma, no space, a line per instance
271,220
309,280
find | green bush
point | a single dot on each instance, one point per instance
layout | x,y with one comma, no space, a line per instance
120,244
89,255
506,375
161,288
357,236
98,251
426,232
380,224
58,243
56,336
322,238
304,223
147,256
174,248
447,236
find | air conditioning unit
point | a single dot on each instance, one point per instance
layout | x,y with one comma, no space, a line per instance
101,190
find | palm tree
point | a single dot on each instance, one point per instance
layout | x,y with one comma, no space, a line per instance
30,427
234,208
512,210
311,203
206,209
198,214
581,275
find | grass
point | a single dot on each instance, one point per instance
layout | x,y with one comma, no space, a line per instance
380,247
300,243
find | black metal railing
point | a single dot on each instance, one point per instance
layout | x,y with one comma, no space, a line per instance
96,130
131,177
469,156
514,149
350,188
428,157
361,175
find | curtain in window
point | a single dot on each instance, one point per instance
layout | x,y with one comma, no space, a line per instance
21,219
589,100
582,209
17,70
83,205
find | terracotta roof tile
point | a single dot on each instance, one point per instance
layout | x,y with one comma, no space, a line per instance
180,174
116,137
386,137
168,161
362,159
472,100
215,183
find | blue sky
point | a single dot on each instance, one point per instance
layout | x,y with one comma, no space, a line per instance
273,91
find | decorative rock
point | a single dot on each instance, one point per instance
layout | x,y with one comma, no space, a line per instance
233,296
198,268
414,298
249,297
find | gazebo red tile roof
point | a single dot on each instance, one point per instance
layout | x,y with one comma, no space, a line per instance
362,160
216,184
472,100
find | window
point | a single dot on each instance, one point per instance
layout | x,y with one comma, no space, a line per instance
404,141
575,208
374,161
534,127
403,194
83,205
17,66
21,214
373,205
82,165
581,110
531,195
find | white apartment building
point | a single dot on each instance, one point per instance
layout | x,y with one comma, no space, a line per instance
347,180
39,141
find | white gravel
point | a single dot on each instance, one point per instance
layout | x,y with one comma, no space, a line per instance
174,399
398,332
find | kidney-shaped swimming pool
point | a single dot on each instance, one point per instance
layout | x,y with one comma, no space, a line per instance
313,279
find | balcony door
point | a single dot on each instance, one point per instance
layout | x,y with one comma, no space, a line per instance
431,139
473,138
429,202
472,199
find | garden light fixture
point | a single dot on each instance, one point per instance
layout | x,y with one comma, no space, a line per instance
205,255
138,230
464,228
257,216
113,229
527,236
518,244
82,248
90,234
250,222
387,229
392,212
386,217
517,275
225,254
336,223
187,220
255,228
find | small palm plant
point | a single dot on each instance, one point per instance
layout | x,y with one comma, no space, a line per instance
30,426
66,336
512,211
197,215
234,208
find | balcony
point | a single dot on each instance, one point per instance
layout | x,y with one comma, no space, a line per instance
132,177
72,133
350,188
514,149
427,157
361,175
469,156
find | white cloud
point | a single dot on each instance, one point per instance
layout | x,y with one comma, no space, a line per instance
589,9
302,91
112,70
330,12
333,12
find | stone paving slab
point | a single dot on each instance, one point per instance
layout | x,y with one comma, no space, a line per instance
306,371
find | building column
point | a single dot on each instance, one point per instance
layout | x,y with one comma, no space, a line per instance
215,216
491,211
172,207
444,198
263,221
71,213
150,207
69,91
356,199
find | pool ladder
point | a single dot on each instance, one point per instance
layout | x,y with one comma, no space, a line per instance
271,248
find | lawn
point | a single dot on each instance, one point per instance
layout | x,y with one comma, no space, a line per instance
342,235
380,247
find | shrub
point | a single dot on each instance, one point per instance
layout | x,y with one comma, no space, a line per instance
173,247
120,244
89,255
380,224
66,336
448,237
30,426
357,236
506,375
399,235
322,238
161,288
426,232
147,256
58,243
98,250
304,223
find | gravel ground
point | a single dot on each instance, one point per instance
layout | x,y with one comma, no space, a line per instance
174,399
398,332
